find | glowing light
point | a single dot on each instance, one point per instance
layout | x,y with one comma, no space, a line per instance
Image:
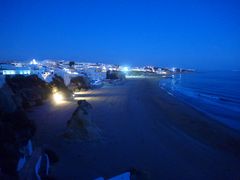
54,90
9,72
125,69
87,98
104,69
34,62
58,97
81,92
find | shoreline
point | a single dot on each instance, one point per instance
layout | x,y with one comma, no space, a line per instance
219,106
223,137
143,128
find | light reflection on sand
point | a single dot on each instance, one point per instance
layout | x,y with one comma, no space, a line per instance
87,98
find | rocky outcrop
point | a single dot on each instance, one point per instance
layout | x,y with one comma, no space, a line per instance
80,126
7,103
15,132
115,75
28,90
58,84
16,129
79,83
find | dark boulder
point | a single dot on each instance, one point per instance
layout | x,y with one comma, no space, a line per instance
79,83
15,128
7,102
15,131
58,84
28,90
81,126
115,75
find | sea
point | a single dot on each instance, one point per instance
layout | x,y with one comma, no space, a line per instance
215,93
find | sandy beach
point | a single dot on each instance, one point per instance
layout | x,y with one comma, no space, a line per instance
143,128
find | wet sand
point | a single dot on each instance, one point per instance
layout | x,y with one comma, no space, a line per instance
142,128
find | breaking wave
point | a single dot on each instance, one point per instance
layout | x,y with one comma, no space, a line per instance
217,94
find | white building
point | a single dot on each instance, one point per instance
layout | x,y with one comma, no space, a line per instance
9,69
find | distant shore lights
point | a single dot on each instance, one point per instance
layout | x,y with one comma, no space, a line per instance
33,62
18,71
125,69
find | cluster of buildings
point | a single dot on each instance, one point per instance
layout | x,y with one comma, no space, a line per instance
68,69
11,69
160,70
48,68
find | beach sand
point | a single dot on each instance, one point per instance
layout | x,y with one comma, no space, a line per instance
143,128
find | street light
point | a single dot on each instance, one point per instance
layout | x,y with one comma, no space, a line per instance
58,97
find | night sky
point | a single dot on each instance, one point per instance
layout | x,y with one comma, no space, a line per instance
194,34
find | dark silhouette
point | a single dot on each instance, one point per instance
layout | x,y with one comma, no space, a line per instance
71,64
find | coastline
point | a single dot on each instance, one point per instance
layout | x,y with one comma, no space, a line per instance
200,125
218,99
143,128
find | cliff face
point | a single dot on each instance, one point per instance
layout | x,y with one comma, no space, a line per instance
7,103
15,128
28,90
15,132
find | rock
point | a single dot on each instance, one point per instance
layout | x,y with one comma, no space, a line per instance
7,103
58,83
28,90
115,75
15,131
79,82
80,126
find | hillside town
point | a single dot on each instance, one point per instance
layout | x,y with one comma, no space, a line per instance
95,72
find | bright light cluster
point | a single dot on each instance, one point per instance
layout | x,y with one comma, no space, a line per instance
124,69
69,71
34,62
58,97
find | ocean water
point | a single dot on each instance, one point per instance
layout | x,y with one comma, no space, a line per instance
215,93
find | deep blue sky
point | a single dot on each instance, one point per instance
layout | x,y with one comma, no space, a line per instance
195,33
